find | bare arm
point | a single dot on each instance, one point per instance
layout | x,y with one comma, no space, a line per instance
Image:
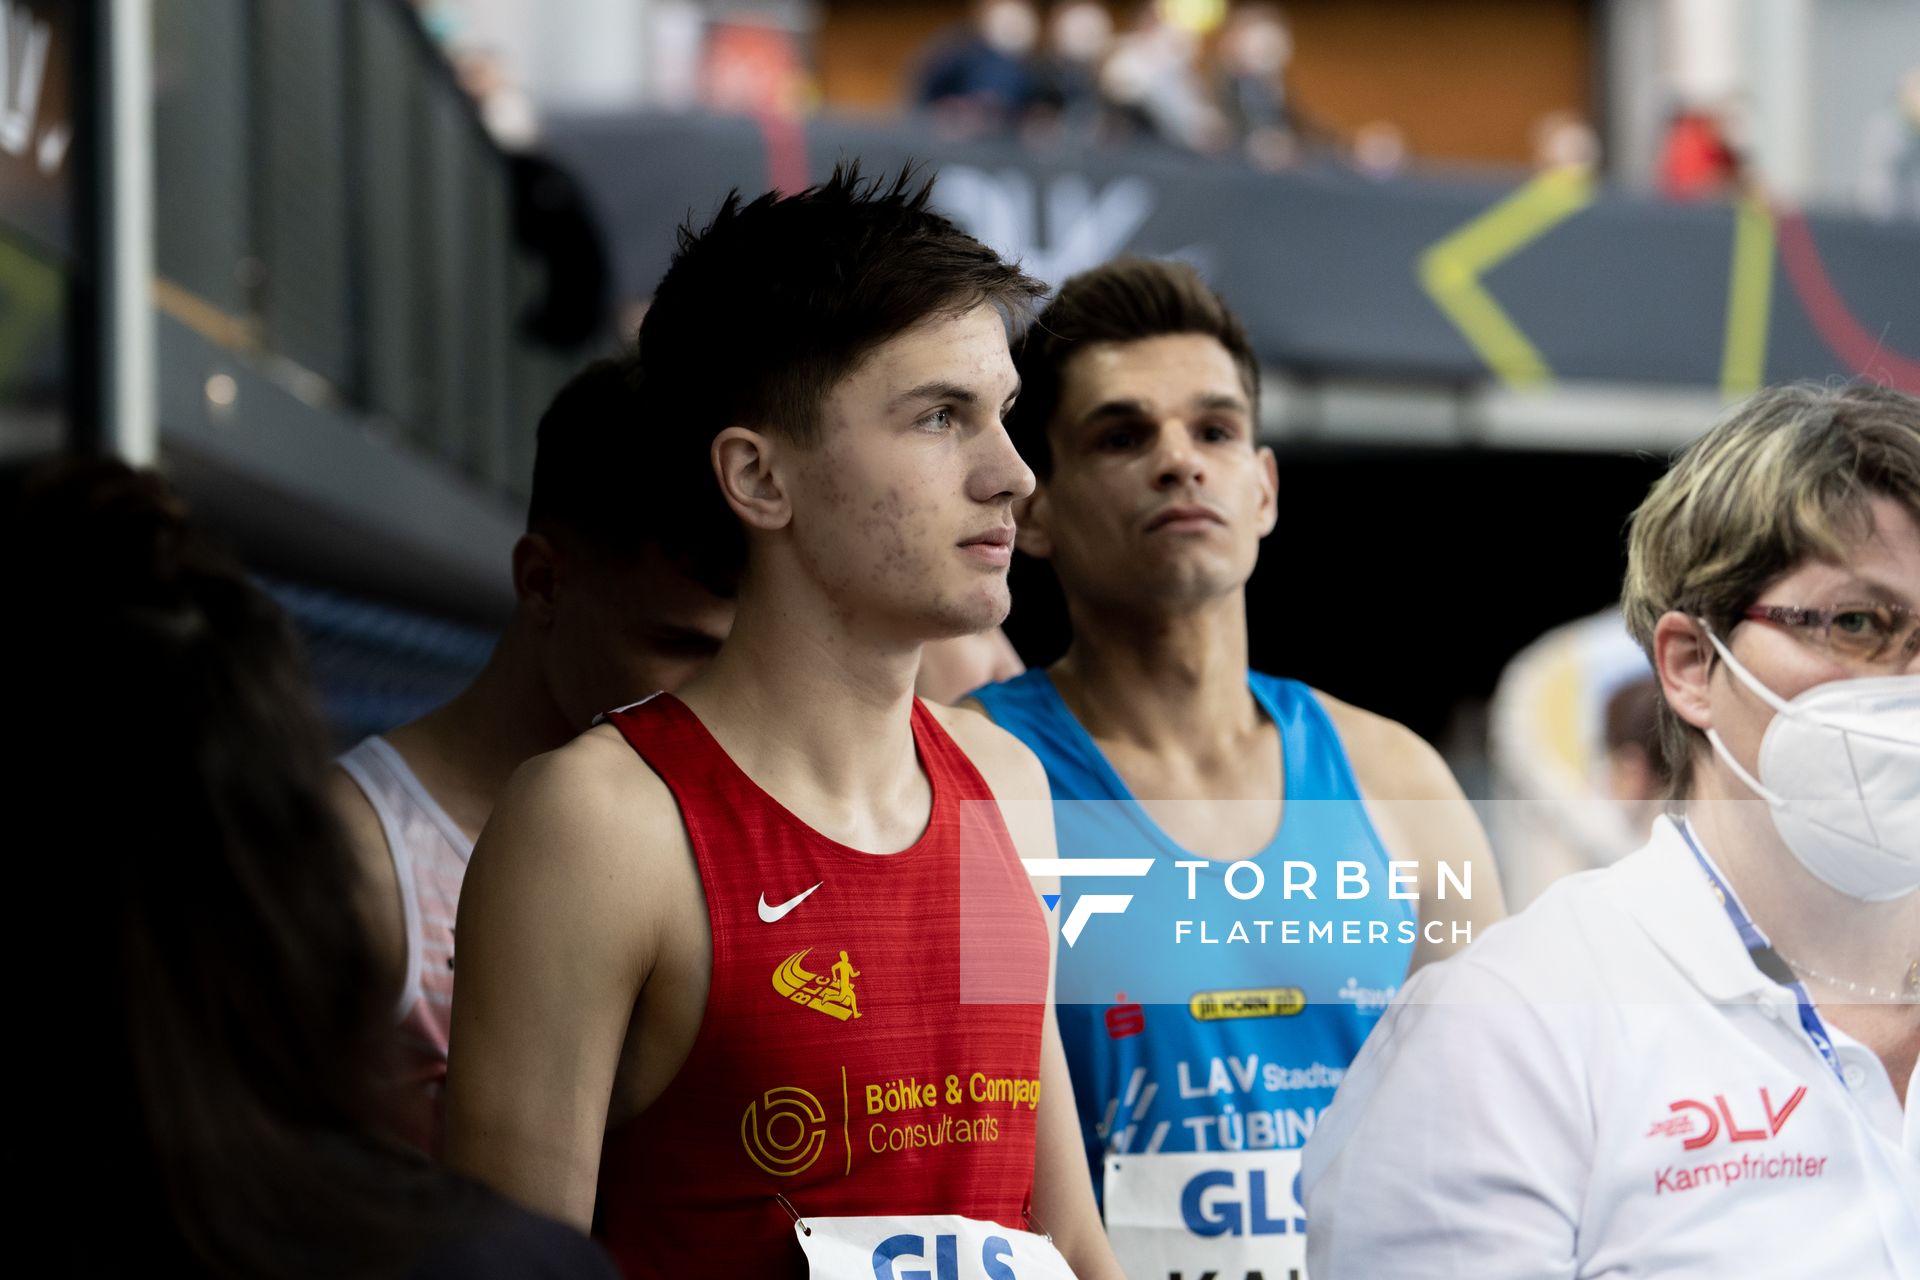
1062,1195
556,937
377,896
1422,816
1063,1202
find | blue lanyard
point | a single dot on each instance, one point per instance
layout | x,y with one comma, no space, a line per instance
1766,959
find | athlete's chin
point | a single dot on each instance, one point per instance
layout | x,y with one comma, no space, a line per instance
1192,578
979,609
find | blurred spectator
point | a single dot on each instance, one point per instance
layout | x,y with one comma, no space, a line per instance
505,108
754,68
203,1093
1380,149
676,31
1890,180
1636,770
1564,140
440,19
1697,161
985,78
1575,753
1079,34
1152,79
1255,48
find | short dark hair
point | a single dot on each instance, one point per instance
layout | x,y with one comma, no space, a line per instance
775,301
1127,300
590,437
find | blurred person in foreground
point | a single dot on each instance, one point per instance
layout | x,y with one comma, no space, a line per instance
1202,1037
604,616
206,1101
1684,1062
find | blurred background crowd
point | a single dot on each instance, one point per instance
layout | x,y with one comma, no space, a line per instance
325,264
1818,101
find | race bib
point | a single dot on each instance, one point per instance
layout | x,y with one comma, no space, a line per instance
933,1247
1232,1214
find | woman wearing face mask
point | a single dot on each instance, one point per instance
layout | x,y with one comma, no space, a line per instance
1699,1061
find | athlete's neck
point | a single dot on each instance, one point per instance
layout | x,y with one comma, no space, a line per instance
1160,680
816,707
464,751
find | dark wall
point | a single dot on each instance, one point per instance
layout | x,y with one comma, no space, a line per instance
1403,580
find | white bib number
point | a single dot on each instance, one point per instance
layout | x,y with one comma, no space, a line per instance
1229,1213
928,1247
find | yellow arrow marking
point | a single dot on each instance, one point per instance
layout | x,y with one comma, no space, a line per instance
1450,269
1743,361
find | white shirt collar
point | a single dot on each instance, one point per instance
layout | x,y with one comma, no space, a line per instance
1665,890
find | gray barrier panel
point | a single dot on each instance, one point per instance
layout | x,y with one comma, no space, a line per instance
1325,265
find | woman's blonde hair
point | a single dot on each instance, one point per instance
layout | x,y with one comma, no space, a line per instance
1784,477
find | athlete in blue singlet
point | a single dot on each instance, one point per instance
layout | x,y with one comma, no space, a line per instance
1247,927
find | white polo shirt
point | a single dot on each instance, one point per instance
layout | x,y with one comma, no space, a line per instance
1606,1086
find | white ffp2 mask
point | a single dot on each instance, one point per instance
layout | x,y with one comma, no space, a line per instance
1840,772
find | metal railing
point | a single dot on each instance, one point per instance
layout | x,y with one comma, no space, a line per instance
327,198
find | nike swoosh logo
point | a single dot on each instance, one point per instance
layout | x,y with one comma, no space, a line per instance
772,914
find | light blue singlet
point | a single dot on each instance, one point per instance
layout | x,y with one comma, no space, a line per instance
1195,1046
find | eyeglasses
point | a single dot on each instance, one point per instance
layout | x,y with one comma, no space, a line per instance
1867,634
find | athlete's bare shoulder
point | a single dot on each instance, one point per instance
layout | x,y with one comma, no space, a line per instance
377,894
1013,773
591,823
562,921
359,818
596,788
1009,767
1420,813
1389,760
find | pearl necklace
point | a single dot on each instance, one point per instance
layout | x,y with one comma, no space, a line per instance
1909,993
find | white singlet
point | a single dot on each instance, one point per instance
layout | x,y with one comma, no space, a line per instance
430,855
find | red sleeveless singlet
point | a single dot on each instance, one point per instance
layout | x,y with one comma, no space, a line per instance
871,1040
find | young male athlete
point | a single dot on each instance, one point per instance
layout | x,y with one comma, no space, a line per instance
1210,1020
650,1012
602,616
